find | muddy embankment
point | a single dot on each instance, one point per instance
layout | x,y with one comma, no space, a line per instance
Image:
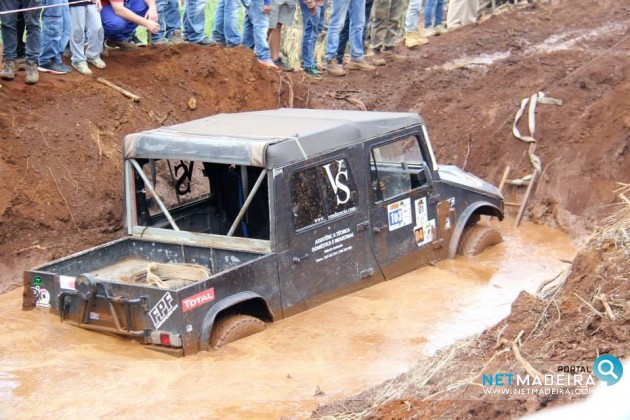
60,152
468,85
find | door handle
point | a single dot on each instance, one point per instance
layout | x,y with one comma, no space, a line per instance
378,229
299,259
362,226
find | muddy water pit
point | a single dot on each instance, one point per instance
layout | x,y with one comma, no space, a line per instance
332,351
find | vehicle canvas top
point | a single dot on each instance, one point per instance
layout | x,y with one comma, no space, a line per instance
265,139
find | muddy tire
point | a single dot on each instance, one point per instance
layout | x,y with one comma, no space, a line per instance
476,239
234,327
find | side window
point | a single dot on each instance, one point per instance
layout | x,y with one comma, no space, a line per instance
397,168
306,200
322,192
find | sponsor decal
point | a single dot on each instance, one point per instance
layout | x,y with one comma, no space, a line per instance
424,230
399,214
162,310
95,316
339,182
332,244
198,299
43,297
37,281
67,282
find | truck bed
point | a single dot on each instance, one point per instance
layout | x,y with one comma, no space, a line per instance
128,260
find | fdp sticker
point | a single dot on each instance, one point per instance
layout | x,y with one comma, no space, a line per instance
162,310
399,214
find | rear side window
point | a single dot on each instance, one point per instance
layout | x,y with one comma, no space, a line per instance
322,192
397,168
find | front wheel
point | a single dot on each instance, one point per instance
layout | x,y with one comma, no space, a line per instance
476,239
234,327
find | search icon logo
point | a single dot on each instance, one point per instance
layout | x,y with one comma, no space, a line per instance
608,368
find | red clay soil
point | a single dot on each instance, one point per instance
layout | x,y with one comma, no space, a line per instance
60,152
469,107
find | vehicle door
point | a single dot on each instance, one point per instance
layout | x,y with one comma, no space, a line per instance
403,209
328,253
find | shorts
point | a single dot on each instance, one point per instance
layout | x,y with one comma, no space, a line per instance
282,11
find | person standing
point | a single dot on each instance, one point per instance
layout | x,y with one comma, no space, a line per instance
313,23
86,19
282,12
225,29
195,22
387,15
255,29
413,38
169,20
344,35
340,9
56,25
433,18
10,39
461,13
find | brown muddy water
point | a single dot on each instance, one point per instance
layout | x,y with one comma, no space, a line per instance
329,352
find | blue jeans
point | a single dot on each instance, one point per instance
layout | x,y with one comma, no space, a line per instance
357,25
118,28
56,27
413,15
168,18
434,8
194,20
10,30
225,30
312,27
255,29
344,36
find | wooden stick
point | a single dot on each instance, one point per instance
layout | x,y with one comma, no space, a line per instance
64,200
602,298
517,354
118,89
601,315
624,198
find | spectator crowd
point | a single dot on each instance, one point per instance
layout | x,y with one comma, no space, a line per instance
37,34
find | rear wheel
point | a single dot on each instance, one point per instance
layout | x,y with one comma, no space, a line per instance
234,327
476,239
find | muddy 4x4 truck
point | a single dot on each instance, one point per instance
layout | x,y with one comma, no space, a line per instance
240,219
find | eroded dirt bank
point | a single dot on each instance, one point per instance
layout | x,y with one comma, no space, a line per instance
60,147
468,85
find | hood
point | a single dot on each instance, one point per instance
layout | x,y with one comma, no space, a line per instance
454,175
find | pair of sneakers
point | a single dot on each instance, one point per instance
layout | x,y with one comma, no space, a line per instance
82,67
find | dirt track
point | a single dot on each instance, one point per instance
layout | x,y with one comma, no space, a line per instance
60,162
